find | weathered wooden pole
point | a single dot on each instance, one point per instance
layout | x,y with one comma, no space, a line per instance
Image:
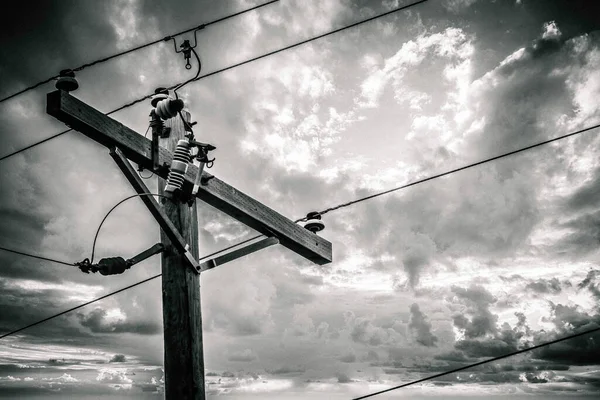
182,316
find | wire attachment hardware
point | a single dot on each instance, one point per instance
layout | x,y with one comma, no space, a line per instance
313,222
67,81
186,47
203,160
118,265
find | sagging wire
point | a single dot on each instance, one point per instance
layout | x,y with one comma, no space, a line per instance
239,64
187,126
507,355
38,257
91,260
131,50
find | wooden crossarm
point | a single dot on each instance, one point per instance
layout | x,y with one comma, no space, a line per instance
105,130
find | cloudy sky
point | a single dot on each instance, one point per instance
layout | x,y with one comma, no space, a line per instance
431,278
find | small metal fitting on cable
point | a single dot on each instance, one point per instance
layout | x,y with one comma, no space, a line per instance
186,47
106,266
118,265
67,81
313,222
203,160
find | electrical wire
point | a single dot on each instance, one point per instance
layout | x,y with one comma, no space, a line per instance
108,294
79,306
164,39
242,242
38,257
192,79
514,353
510,153
111,210
134,102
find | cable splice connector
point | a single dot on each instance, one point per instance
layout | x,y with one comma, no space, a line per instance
118,265
113,265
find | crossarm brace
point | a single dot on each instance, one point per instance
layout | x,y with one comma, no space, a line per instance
110,133
163,220
233,255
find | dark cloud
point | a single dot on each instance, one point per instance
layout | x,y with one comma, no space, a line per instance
118,358
343,378
45,39
287,370
591,283
484,347
453,355
349,357
585,235
97,323
482,320
421,327
483,336
545,286
583,350
585,197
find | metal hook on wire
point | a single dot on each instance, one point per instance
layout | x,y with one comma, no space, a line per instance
187,48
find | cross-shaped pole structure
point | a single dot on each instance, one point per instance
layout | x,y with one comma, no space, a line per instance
184,365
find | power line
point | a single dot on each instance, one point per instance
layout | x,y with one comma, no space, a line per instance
112,293
510,153
79,306
38,257
111,210
479,363
164,39
106,295
395,10
179,85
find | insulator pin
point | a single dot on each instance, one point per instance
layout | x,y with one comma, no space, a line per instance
313,222
168,108
67,81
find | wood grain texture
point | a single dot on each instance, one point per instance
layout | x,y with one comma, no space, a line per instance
155,209
217,193
182,316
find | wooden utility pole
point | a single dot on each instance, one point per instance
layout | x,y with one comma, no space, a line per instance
182,315
184,364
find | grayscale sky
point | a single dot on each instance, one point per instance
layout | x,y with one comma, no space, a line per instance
453,271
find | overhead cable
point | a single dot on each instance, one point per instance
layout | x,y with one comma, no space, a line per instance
514,353
180,85
79,306
164,39
38,257
487,160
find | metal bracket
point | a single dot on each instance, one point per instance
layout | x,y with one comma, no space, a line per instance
156,249
233,255
163,220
